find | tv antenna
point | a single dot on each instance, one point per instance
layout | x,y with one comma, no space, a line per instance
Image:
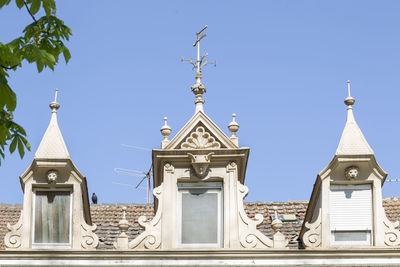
393,180
136,173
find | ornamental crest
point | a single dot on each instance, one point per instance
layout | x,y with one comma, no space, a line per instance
200,139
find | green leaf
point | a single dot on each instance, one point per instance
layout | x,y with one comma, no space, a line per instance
35,6
26,143
20,3
4,3
13,144
21,150
67,54
39,66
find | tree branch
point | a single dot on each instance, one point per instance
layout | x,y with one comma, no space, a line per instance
27,8
8,68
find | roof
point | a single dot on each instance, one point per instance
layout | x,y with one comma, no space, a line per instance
352,141
107,216
52,145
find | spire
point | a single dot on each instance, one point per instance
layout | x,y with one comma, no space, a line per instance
198,88
352,141
52,145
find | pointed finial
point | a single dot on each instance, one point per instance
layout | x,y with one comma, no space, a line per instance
165,131
54,105
349,101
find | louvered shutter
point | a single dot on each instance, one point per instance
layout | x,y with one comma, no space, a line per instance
351,207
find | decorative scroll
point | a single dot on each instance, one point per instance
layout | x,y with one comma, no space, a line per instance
13,238
312,238
200,139
151,237
392,234
250,237
89,240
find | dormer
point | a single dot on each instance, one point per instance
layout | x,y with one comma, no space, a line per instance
56,212
345,208
199,189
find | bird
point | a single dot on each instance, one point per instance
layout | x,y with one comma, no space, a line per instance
94,198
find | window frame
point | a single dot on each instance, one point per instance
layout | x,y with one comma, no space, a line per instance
212,187
367,231
51,245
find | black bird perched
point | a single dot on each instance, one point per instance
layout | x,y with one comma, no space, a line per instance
94,198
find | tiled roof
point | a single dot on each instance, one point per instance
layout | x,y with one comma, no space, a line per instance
107,216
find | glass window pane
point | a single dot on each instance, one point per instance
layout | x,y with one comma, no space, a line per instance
351,236
199,216
52,217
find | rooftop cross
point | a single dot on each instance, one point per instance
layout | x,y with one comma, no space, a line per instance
198,88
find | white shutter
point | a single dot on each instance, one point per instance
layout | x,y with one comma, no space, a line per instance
351,207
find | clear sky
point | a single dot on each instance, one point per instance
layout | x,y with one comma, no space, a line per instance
282,68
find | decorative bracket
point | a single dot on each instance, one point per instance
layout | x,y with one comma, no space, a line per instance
13,238
392,234
151,237
312,238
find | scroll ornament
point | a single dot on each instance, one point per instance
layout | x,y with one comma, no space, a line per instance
312,238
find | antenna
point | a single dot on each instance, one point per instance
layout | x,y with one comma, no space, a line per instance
393,180
141,174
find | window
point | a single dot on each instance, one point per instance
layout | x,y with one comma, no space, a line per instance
52,218
200,214
351,215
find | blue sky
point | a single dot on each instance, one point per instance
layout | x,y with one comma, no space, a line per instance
282,68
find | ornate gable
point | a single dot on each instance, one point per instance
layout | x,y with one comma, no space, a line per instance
200,133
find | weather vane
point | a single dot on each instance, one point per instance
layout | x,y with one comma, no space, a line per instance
198,88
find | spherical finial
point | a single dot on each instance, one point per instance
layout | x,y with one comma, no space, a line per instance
349,101
233,126
276,223
54,105
165,129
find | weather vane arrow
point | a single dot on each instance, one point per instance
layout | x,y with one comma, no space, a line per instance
198,88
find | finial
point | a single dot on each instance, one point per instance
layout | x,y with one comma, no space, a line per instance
165,131
198,88
122,239
233,128
349,101
276,223
54,105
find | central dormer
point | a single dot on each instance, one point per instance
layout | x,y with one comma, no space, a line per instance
199,187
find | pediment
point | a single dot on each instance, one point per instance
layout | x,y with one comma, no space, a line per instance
200,132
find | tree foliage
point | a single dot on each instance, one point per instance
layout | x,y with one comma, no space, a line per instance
41,43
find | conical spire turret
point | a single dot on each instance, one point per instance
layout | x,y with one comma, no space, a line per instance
52,145
352,141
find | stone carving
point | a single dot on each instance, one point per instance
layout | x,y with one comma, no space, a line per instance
279,239
52,176
122,240
250,237
13,238
392,234
312,238
200,139
89,240
351,172
200,163
151,237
